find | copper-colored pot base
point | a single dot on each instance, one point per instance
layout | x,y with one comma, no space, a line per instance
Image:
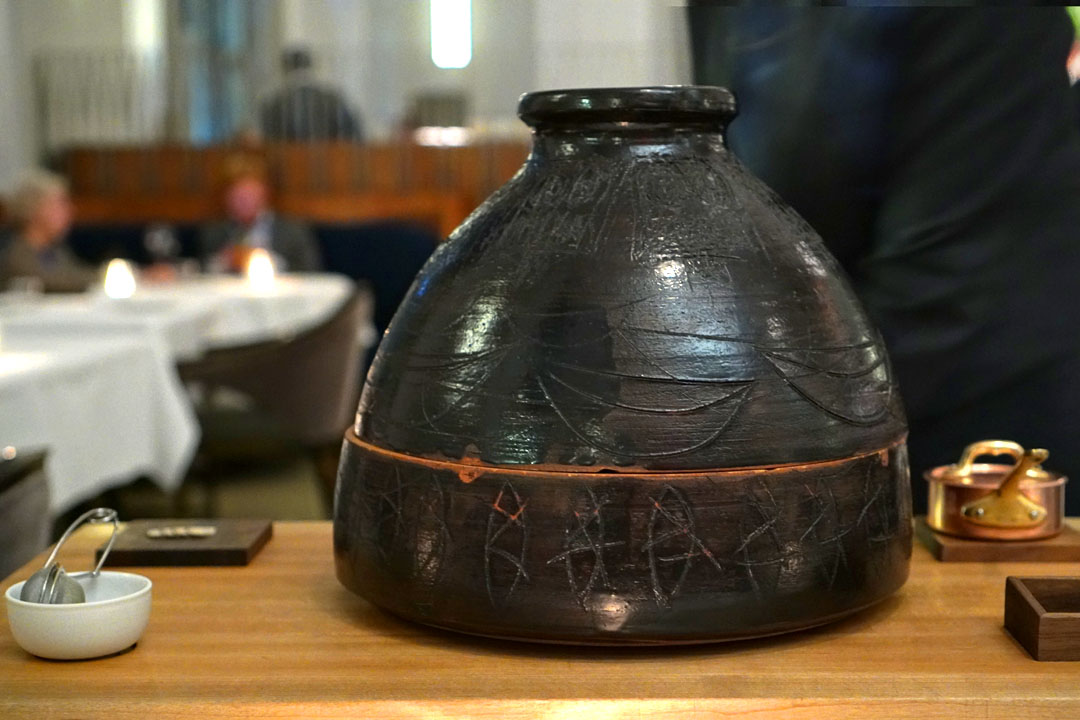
621,558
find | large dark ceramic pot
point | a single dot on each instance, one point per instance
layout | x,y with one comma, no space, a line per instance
632,399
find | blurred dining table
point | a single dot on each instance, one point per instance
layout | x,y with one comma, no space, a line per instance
190,316
93,379
106,409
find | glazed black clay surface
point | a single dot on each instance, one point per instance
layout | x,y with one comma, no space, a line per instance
633,337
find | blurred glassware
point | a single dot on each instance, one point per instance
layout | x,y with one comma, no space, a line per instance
188,268
26,285
161,243
21,292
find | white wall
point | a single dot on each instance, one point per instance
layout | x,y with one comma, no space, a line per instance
84,39
610,43
70,24
15,136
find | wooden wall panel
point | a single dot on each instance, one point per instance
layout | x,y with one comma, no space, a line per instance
324,182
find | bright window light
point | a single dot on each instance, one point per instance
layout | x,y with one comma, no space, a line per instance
441,136
451,33
146,24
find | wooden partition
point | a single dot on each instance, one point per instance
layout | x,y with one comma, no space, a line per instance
323,182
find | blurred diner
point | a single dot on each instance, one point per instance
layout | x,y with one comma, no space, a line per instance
35,256
251,223
303,110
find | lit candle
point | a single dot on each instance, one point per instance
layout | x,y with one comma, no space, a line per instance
119,279
260,271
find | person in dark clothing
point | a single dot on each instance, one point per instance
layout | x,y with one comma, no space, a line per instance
936,152
304,111
225,246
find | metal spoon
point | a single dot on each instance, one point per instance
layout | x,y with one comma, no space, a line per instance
51,584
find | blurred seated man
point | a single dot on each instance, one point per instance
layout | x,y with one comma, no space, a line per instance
42,214
225,246
304,111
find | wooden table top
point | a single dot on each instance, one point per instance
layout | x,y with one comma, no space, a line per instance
281,638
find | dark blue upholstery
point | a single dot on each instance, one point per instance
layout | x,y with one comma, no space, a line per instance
386,255
99,243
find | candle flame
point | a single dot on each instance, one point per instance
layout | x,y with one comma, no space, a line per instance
119,279
260,271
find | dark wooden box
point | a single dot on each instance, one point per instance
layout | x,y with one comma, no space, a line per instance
1043,614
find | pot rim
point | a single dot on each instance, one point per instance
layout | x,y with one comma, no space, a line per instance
694,104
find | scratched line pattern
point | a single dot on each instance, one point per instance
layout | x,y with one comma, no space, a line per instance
528,541
672,541
582,555
505,544
388,521
431,541
599,311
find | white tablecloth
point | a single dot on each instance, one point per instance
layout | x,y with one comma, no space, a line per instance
241,315
94,379
108,410
190,316
180,328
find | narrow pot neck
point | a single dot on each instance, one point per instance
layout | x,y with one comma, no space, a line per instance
632,139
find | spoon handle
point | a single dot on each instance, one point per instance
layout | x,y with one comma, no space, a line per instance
52,580
97,515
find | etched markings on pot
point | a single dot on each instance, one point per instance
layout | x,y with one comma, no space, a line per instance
431,541
585,538
768,515
671,522
389,521
506,540
852,383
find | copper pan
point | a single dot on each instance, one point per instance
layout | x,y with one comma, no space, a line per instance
988,501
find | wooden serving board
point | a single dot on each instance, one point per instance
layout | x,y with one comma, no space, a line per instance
236,542
946,548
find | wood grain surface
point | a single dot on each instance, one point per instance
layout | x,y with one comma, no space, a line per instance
281,638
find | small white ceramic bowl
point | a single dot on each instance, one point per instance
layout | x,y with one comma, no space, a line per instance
112,619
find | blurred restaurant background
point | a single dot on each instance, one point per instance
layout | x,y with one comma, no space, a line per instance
252,186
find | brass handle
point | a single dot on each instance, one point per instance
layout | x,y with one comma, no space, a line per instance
985,447
1007,507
